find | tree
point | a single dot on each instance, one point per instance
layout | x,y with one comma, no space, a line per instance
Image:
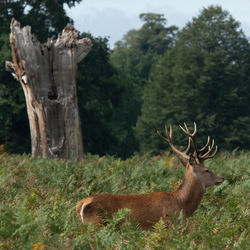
204,78
47,74
99,93
47,19
139,49
134,57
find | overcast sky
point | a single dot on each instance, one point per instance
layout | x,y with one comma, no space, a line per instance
113,18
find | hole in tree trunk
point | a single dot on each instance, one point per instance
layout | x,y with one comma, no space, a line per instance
52,95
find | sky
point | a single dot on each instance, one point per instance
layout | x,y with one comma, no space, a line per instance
114,18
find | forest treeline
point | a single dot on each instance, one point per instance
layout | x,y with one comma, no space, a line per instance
155,75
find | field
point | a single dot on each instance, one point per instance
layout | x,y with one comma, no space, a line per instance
38,198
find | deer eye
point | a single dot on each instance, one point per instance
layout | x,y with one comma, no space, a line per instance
207,170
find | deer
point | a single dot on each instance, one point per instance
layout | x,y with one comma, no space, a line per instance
149,208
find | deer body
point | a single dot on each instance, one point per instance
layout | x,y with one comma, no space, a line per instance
149,208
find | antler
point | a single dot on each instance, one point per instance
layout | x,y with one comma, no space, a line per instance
197,152
169,140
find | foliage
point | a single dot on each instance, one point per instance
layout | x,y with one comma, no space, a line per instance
47,18
99,92
204,78
38,199
134,57
14,130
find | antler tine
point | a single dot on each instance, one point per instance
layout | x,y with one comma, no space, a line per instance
208,141
195,129
192,137
212,155
189,138
186,130
169,140
186,127
164,138
210,148
188,147
169,134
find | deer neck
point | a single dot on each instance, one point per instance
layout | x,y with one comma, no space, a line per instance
190,194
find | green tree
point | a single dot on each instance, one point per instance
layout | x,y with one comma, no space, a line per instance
47,18
204,78
14,128
99,94
134,57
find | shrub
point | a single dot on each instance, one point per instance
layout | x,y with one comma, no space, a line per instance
38,199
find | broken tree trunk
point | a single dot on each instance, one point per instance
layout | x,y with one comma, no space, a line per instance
47,73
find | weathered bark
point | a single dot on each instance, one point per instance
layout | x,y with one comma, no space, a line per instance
47,73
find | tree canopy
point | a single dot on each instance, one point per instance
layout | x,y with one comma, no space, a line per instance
47,18
204,78
99,92
134,57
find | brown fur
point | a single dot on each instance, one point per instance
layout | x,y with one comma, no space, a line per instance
149,208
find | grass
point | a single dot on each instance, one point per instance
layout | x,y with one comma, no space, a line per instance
38,198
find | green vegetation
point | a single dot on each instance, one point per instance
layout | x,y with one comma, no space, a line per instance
134,58
38,198
155,75
99,91
204,78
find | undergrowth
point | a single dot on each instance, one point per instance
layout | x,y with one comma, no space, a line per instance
38,198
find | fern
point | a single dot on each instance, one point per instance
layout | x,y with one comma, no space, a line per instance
38,199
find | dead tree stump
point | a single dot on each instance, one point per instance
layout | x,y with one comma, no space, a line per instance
47,73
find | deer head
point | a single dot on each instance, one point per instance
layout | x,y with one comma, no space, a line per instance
194,163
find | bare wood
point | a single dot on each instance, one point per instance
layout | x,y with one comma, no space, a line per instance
170,142
47,73
150,208
197,152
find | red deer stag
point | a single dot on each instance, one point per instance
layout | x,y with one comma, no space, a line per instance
149,208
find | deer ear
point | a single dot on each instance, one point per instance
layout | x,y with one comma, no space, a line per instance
183,161
192,161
